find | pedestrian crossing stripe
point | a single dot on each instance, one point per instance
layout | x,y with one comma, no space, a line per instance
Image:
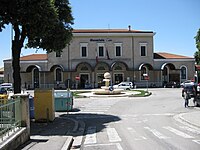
91,135
156,133
196,141
113,135
177,132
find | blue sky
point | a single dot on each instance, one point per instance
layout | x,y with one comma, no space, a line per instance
175,22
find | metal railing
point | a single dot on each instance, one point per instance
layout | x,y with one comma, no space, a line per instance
10,117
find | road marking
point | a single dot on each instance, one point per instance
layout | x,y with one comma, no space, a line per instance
131,129
196,141
119,147
91,135
190,129
113,135
156,133
165,114
177,132
140,138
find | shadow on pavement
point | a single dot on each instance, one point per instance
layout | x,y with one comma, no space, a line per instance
63,126
99,120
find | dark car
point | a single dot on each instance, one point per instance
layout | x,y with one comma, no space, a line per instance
3,91
188,91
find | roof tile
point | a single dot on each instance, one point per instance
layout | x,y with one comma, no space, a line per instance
34,57
163,55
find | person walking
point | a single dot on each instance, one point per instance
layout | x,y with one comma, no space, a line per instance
186,97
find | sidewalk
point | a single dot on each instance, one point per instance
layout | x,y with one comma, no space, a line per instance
192,118
54,135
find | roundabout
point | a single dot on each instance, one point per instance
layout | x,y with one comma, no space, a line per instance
122,94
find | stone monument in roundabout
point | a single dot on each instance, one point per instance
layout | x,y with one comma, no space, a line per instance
107,90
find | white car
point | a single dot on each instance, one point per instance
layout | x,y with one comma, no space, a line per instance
7,86
124,85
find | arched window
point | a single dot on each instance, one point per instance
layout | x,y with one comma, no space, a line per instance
101,68
165,74
84,68
58,75
144,70
183,73
118,68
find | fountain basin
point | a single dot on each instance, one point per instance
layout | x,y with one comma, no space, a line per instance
106,91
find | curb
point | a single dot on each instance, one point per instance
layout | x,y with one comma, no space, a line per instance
189,122
181,119
74,141
78,136
68,143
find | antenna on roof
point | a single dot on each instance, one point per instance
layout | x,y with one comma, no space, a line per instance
129,28
108,26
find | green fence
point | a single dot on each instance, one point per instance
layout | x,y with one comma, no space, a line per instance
10,117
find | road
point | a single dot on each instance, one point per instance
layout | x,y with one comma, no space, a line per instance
137,123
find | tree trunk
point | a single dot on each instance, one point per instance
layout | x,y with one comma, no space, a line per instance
17,44
16,50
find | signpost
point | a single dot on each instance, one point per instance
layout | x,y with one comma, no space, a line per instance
77,79
146,77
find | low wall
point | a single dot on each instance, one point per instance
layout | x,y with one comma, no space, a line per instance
15,140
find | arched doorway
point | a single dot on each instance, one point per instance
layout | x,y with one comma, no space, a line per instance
84,72
170,75
32,77
119,70
35,78
100,69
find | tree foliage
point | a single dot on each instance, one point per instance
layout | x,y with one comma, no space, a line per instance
197,38
197,57
45,24
197,53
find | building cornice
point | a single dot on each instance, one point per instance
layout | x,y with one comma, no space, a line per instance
149,34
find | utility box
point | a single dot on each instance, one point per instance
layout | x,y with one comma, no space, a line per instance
63,100
44,105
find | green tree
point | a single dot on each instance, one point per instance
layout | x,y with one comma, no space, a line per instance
44,24
197,38
197,53
197,57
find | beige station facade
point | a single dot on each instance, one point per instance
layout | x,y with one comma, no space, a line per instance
127,54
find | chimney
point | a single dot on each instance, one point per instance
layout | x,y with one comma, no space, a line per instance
129,28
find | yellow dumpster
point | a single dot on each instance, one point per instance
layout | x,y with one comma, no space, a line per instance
3,99
44,105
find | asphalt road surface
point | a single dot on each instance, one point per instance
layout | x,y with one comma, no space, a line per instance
137,123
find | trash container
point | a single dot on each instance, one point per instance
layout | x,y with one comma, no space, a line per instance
44,105
63,100
31,107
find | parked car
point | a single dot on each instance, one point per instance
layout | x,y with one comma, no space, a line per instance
3,91
197,96
188,82
124,85
188,91
7,86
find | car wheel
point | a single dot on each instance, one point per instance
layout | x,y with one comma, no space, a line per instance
197,105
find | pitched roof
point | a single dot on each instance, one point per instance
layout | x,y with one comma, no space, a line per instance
109,31
2,69
163,55
34,57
